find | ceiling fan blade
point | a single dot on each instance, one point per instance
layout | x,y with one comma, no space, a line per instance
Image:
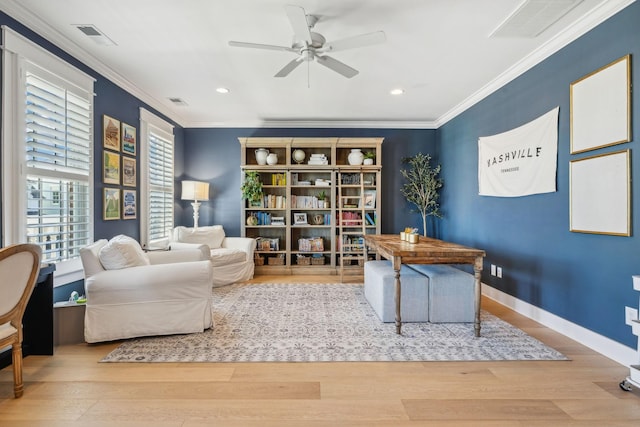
355,41
337,66
261,46
289,67
298,19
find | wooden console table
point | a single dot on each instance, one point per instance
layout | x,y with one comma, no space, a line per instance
427,251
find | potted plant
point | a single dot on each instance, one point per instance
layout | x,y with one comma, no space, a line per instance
323,199
422,186
369,158
252,188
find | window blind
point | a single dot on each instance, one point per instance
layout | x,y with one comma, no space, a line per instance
58,146
160,167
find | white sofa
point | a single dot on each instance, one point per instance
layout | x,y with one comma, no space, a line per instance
131,293
231,257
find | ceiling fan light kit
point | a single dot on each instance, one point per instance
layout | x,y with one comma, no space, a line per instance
310,45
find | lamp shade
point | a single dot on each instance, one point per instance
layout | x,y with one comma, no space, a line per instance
195,190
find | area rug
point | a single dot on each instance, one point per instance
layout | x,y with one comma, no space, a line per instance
325,323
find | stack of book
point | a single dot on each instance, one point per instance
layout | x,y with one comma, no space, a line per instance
318,159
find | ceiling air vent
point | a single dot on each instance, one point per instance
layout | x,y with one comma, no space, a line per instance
94,34
178,101
533,17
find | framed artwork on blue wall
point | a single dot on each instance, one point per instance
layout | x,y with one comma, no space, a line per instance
129,140
110,133
600,194
601,107
111,204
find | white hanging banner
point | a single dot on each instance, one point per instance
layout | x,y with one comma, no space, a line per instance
522,161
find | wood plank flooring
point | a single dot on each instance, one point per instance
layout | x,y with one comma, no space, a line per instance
72,389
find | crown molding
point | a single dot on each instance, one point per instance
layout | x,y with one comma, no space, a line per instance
339,124
605,10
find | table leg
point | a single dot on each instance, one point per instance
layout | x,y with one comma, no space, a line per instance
396,267
477,269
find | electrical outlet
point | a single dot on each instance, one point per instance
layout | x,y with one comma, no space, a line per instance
499,272
493,269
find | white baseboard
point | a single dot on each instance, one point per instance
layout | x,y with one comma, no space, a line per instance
613,350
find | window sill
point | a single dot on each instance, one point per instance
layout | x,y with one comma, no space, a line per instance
68,272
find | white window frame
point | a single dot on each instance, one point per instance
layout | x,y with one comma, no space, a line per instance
149,123
17,51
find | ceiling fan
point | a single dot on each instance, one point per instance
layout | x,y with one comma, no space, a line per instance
310,45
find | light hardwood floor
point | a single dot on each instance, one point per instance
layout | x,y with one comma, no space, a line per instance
72,389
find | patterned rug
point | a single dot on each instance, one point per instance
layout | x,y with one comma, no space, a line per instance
325,322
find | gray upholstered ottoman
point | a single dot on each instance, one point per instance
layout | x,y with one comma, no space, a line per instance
379,289
451,293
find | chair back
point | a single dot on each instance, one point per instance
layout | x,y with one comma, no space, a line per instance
19,268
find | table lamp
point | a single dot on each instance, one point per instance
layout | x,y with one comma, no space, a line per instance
195,190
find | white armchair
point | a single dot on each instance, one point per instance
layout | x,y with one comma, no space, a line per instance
231,257
131,293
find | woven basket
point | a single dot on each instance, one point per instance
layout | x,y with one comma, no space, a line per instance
303,260
276,260
317,260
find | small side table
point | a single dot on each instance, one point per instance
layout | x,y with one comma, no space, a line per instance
68,323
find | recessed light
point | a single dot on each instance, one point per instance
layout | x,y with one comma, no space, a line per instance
397,91
222,90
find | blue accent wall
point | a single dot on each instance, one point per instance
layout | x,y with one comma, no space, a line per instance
214,155
583,278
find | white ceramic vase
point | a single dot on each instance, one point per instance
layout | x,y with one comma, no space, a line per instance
355,157
272,159
261,156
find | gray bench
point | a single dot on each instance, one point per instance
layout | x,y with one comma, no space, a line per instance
433,293
379,290
451,293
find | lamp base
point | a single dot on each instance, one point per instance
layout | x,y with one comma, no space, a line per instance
196,213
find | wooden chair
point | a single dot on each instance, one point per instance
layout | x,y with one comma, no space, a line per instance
19,268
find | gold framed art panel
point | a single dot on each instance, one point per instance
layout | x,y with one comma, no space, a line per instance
600,194
600,113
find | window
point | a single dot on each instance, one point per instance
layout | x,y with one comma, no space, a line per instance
157,178
48,152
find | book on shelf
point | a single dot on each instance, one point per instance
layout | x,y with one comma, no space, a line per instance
370,220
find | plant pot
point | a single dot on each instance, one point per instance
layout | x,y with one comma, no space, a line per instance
367,162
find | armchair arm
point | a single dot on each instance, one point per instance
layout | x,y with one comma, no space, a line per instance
164,281
193,253
245,244
181,246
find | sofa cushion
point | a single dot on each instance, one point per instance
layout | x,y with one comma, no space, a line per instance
211,235
122,252
224,256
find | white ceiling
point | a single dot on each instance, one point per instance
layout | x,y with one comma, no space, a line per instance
438,51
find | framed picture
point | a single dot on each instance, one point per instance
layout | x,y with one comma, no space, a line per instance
601,107
128,171
129,204
300,218
129,141
110,167
368,199
111,204
110,133
600,198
